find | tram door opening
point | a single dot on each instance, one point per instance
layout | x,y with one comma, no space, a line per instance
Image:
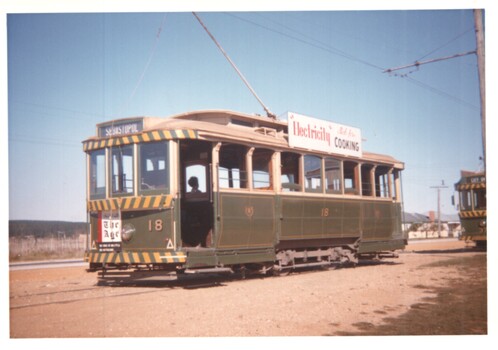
196,203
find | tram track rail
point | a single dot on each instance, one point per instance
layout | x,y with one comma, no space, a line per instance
45,264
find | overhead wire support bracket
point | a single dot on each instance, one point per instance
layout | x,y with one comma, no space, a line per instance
419,63
267,110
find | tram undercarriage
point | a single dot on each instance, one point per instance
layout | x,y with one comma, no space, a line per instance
266,262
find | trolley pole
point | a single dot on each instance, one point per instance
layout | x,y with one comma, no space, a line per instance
439,206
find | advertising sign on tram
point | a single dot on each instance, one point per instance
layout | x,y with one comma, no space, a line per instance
321,135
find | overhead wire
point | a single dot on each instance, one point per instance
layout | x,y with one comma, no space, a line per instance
320,45
139,82
440,92
446,44
341,53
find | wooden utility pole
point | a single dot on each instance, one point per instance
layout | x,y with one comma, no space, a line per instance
439,206
478,18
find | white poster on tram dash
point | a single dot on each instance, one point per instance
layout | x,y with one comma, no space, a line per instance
321,135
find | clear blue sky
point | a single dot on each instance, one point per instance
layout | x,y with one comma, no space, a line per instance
67,72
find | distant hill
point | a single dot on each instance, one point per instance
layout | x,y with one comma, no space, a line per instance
39,228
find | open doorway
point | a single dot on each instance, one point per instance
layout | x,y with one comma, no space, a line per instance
196,202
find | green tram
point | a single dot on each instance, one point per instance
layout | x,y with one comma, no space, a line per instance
221,190
472,207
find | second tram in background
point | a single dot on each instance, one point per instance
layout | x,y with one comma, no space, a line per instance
471,190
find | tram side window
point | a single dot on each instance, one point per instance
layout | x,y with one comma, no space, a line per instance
351,177
122,169
383,182
97,174
261,169
154,166
333,175
313,173
232,169
290,171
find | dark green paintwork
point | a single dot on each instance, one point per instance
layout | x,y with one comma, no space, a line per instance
246,221
143,238
472,228
149,237
308,218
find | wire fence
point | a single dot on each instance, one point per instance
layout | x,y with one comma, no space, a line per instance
32,248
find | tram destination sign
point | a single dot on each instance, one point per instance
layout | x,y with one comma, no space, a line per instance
321,135
119,128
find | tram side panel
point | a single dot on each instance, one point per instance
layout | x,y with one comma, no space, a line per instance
246,228
318,222
381,227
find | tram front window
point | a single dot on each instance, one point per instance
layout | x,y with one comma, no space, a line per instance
97,174
122,169
154,167
479,199
465,200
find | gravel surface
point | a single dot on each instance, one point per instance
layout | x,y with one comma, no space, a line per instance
67,302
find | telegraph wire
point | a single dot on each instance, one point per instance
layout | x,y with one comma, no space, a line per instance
52,114
348,35
440,92
343,54
322,46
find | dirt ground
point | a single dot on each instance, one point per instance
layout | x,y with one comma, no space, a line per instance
431,289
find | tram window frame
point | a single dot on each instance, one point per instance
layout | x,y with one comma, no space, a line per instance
235,167
314,182
97,174
262,167
333,176
465,200
290,172
351,177
479,199
196,181
154,167
366,180
384,180
119,188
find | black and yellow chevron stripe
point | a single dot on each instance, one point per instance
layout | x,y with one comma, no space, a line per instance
150,136
473,214
471,186
127,203
135,257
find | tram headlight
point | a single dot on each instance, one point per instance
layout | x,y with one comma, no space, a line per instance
482,224
127,232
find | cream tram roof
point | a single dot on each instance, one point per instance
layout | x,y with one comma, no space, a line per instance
213,125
